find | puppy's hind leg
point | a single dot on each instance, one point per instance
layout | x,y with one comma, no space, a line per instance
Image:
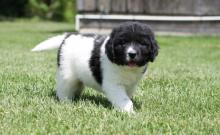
67,87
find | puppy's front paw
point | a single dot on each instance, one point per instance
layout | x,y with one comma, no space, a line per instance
126,106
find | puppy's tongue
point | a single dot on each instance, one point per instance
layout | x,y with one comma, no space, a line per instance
131,64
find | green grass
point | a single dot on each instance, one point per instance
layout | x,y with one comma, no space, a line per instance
180,94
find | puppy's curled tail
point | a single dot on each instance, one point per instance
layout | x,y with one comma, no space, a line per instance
49,44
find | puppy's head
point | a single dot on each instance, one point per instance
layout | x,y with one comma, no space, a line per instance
132,44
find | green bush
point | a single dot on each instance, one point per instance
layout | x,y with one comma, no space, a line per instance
13,8
59,10
52,9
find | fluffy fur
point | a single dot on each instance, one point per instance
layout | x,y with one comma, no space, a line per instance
111,64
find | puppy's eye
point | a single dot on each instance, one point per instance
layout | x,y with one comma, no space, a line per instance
143,42
120,46
144,45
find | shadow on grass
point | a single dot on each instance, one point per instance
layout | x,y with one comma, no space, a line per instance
137,104
97,99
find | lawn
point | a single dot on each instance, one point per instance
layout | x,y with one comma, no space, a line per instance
180,94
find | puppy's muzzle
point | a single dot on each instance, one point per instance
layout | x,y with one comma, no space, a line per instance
131,53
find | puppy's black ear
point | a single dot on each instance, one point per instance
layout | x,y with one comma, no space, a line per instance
109,50
154,48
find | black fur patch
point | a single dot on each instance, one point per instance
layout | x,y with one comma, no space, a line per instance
94,62
60,48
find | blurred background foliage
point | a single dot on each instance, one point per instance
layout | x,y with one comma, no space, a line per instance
58,10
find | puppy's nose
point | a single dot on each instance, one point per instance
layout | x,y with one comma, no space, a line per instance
132,55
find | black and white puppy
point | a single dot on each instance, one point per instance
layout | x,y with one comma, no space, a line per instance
111,64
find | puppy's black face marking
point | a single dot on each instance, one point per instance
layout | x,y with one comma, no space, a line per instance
132,44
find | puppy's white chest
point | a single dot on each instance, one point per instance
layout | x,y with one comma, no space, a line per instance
122,75
128,77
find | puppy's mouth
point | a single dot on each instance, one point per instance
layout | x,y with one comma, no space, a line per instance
132,64
135,63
